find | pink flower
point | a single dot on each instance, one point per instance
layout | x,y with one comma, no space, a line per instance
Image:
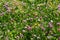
50,25
59,7
58,29
29,28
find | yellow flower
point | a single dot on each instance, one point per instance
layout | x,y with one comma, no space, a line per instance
35,25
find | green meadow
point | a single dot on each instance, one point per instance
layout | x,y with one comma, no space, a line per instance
29,19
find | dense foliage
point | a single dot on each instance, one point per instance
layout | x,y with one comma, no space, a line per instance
29,19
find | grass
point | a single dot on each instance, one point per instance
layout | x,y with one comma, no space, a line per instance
29,20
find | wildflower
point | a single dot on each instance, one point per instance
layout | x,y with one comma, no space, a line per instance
17,37
35,13
58,23
34,35
25,27
49,37
38,19
23,31
27,19
51,32
21,35
59,7
58,29
9,10
29,28
6,4
24,20
33,4
38,8
7,7
8,30
2,14
50,25
23,3
38,37
31,38
51,20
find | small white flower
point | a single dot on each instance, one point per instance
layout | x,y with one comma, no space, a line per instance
38,37
25,27
44,2
27,19
24,20
31,38
23,31
38,7
33,4
49,37
23,3
8,30
51,20
38,19
34,35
